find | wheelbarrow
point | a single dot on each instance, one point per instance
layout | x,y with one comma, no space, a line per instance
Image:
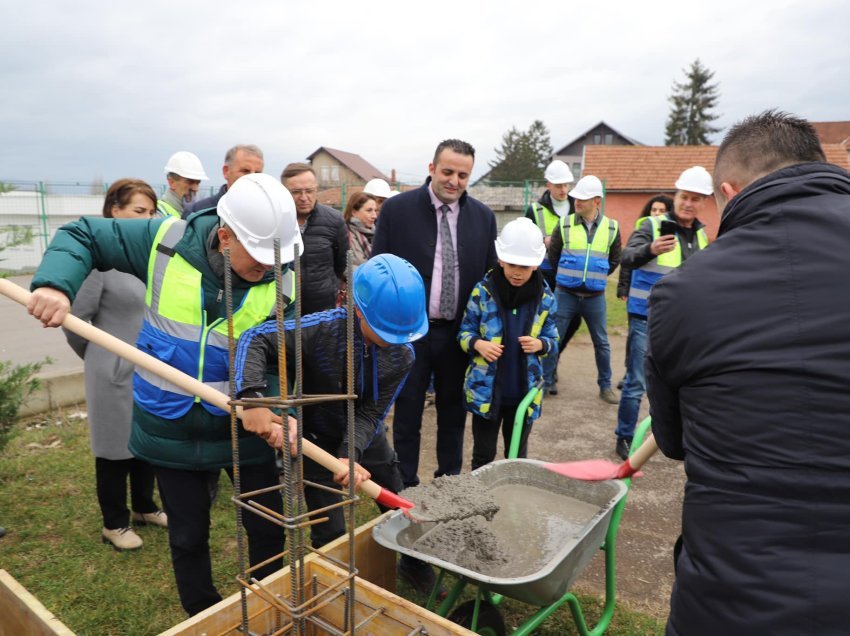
547,586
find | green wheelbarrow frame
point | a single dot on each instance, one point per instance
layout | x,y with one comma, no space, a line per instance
533,622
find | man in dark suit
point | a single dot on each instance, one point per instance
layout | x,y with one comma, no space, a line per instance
449,237
414,225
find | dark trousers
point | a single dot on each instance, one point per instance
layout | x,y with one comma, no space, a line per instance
438,353
379,459
186,499
485,434
111,482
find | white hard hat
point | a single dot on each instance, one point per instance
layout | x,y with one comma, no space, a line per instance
259,209
377,188
521,243
697,180
587,188
187,165
558,172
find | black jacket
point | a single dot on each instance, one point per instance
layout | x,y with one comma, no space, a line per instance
323,262
379,374
407,227
748,373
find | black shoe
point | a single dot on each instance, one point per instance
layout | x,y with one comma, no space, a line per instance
2,531
624,444
550,389
621,383
418,574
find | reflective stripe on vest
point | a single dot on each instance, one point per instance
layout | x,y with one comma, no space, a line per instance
546,220
582,263
167,210
175,328
645,277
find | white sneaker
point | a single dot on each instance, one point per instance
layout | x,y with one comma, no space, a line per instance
122,538
158,518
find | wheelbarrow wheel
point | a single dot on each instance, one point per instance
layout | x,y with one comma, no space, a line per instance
490,621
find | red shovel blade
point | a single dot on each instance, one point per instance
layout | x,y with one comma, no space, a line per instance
594,470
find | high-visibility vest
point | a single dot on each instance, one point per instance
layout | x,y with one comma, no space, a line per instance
546,220
584,263
175,328
167,210
644,277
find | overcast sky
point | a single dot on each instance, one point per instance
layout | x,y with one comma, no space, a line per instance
107,90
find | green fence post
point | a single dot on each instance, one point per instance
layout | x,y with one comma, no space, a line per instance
343,199
45,228
604,194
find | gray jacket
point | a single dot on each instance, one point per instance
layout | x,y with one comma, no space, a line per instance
114,302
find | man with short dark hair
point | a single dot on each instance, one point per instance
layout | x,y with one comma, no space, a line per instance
325,240
240,160
449,237
747,373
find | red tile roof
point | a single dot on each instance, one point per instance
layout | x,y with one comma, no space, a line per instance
357,164
656,168
833,132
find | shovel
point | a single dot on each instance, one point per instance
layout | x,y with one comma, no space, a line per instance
602,469
192,385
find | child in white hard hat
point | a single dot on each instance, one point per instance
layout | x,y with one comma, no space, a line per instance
508,326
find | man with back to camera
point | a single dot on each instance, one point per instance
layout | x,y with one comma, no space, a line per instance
748,363
449,238
657,247
184,174
240,160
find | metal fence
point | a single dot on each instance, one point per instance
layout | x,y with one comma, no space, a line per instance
32,211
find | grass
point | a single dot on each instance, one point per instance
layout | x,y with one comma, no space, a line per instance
53,546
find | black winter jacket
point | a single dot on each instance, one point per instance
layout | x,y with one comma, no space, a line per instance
323,262
379,375
748,373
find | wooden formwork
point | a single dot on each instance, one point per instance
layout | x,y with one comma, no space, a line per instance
21,613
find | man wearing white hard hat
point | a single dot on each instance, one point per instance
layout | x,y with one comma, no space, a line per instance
379,189
655,248
552,206
585,249
184,173
183,266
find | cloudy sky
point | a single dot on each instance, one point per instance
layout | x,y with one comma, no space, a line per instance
105,90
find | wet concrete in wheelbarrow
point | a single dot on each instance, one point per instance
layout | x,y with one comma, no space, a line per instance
526,528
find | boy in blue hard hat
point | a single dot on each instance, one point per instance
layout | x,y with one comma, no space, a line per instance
389,298
508,325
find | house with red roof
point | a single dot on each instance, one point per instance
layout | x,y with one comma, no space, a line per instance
633,174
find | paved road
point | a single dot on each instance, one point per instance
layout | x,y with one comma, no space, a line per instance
24,340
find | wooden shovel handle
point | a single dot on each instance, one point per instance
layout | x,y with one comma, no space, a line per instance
169,373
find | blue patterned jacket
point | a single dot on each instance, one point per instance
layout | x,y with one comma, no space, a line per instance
483,319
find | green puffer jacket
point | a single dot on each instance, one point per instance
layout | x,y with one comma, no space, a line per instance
483,320
198,440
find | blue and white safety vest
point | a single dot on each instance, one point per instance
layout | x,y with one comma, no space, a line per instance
584,263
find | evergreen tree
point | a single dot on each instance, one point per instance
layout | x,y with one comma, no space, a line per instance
522,155
691,108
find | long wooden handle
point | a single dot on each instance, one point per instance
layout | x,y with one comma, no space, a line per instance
167,372
643,453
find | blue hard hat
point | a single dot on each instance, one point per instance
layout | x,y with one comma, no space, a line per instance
391,296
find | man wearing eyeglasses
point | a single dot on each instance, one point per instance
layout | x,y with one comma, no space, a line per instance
325,240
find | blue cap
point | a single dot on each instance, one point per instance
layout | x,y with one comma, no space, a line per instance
391,296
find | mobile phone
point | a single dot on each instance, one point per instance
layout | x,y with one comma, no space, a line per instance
668,228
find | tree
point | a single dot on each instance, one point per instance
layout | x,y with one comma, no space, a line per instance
691,108
7,187
522,155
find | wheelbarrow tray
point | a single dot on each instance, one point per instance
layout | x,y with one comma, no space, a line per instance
560,570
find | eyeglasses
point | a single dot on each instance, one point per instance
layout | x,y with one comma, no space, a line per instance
308,191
